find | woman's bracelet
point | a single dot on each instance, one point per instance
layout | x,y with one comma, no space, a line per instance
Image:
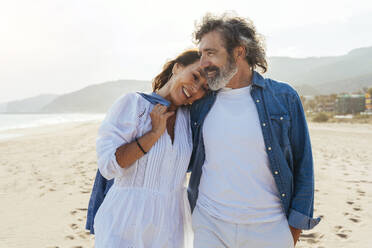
139,145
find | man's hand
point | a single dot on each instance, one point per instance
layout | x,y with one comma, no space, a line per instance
295,234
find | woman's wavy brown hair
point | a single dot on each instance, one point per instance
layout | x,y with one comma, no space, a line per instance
186,58
235,31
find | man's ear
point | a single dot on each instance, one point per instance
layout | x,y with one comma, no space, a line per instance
240,52
176,68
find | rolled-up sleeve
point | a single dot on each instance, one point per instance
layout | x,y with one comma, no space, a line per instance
119,127
302,203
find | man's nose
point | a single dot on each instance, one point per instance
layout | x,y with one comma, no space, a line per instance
204,62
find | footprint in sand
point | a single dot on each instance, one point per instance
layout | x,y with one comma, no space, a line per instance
311,238
355,220
83,235
342,235
361,192
341,232
338,228
70,237
74,226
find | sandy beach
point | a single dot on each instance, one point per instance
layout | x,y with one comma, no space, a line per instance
47,175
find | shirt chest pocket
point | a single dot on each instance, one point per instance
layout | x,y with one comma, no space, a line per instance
281,124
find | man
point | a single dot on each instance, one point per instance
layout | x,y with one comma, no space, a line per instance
252,181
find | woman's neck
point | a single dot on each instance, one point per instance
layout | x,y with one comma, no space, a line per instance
165,93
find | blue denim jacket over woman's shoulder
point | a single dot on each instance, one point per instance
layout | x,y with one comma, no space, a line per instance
287,141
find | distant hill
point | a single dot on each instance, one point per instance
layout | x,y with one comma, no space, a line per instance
325,75
3,107
310,76
28,105
347,85
95,98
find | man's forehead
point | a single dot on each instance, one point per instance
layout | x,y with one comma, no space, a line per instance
210,41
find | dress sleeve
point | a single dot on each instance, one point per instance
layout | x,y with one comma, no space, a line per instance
119,127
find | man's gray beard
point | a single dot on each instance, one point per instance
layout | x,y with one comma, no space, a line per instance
223,78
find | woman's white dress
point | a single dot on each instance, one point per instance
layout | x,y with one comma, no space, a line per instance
147,206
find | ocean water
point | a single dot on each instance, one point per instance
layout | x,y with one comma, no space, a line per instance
9,123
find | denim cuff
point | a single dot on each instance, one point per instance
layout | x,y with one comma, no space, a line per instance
301,221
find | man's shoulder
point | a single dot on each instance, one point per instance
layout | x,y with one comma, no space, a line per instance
207,99
279,87
201,106
274,86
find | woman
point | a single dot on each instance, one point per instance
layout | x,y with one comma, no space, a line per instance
147,149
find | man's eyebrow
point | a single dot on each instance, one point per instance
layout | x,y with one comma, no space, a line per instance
209,50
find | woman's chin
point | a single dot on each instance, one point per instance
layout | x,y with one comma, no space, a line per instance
179,100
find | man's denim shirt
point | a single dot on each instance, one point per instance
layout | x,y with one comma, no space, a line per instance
287,142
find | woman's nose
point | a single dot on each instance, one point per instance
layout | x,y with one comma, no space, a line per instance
195,88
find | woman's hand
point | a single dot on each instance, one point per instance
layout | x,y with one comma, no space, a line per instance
129,153
159,117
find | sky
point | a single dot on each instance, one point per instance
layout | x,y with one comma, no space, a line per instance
61,46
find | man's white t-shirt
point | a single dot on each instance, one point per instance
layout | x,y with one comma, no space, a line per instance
236,183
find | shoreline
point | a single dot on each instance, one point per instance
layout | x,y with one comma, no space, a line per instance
13,133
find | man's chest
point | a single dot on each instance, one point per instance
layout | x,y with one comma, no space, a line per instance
233,123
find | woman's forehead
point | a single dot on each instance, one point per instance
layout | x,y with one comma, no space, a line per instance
196,67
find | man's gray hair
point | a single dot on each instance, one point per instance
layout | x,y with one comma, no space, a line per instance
235,31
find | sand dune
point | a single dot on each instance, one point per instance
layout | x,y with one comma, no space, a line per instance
46,177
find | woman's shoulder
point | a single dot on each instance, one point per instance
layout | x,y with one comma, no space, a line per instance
127,106
132,100
131,97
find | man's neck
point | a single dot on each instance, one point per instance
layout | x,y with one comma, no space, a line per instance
241,79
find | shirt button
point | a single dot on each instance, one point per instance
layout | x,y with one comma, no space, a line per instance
264,124
269,148
257,100
281,118
276,172
283,195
